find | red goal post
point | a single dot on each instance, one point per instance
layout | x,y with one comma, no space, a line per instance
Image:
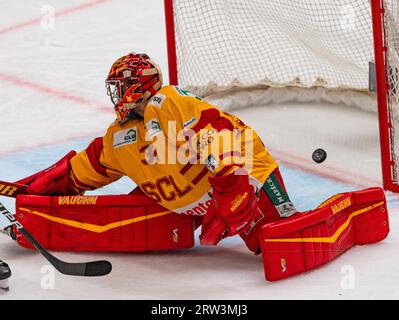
386,83
327,44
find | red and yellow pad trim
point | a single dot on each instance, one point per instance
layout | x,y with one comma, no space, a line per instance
120,223
92,227
307,240
333,238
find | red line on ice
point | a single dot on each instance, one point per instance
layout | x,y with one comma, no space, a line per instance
54,92
326,171
288,160
60,13
55,141
48,90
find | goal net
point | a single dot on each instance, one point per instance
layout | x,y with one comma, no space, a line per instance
330,50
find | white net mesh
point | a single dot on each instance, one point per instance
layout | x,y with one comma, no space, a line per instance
222,44
305,50
391,25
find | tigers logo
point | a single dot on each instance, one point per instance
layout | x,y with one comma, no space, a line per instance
175,235
283,265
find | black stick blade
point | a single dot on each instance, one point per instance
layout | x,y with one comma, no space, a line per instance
89,269
98,268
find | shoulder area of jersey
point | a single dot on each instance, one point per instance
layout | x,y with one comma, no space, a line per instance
170,92
115,126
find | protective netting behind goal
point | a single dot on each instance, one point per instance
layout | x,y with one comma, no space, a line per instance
222,44
325,46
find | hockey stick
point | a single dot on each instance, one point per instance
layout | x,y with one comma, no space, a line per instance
87,269
10,189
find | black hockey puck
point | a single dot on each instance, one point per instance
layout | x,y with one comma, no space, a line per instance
319,155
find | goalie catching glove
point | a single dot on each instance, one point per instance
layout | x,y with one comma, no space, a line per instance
54,180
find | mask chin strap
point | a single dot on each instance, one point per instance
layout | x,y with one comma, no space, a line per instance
133,115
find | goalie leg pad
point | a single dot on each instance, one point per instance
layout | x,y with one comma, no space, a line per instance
307,240
122,223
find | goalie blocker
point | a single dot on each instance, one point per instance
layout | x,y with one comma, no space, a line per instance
307,240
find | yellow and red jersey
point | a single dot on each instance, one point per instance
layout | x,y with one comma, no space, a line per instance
171,154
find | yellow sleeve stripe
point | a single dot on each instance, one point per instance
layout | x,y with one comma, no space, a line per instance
93,227
335,236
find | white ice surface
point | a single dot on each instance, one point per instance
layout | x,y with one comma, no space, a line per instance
53,100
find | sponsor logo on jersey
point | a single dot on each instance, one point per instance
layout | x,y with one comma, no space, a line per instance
153,128
279,197
205,138
211,163
71,200
125,137
197,208
189,122
185,93
342,205
158,100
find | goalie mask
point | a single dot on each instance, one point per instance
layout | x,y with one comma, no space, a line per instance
132,80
